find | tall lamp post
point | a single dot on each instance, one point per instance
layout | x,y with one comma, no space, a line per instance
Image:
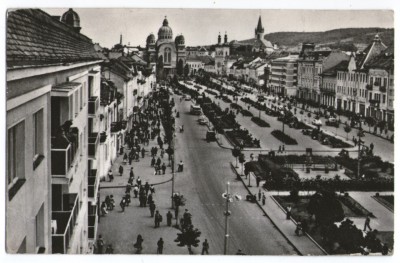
359,142
228,199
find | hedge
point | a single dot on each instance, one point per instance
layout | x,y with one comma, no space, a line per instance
286,139
260,122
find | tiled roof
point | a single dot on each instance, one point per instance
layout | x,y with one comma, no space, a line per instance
36,38
385,60
372,51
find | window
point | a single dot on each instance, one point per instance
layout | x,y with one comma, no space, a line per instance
39,228
80,98
371,80
37,137
385,82
76,102
383,98
16,153
167,55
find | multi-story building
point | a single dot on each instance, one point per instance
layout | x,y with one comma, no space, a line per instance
52,85
222,51
283,75
311,64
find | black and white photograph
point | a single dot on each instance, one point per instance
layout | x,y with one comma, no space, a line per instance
199,131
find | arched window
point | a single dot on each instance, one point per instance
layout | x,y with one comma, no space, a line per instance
167,55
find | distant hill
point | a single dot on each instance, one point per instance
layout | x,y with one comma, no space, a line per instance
343,37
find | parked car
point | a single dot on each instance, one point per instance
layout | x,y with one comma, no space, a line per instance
188,97
316,122
211,136
332,122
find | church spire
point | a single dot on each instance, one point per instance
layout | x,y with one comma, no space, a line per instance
259,31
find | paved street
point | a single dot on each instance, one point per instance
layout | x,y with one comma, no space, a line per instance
202,184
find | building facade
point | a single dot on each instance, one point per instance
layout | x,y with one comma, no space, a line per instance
168,54
52,125
283,76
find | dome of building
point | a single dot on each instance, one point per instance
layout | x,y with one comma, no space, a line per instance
180,40
165,32
71,18
151,39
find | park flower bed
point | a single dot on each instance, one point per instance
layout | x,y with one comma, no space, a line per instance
325,214
260,122
211,92
286,139
242,138
246,113
280,178
370,166
236,106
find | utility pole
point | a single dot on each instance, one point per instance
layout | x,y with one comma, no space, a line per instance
359,151
227,213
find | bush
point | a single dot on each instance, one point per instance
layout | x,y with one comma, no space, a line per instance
247,113
260,122
286,139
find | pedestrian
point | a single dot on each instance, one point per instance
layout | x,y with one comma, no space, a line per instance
139,181
163,168
152,208
258,180
169,218
298,229
160,246
152,189
149,198
100,245
147,187
283,148
144,200
259,194
280,149
304,226
139,243
112,203
240,253
371,146
109,250
158,162
103,209
136,191
205,247
131,174
180,166
128,188
367,222
122,204
110,176
125,159
288,212
251,157
157,219
153,161
121,170
263,199
121,150
143,152
127,199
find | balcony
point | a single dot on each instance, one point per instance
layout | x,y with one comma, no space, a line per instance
368,87
382,88
63,154
118,126
92,221
103,137
94,103
65,223
92,183
93,142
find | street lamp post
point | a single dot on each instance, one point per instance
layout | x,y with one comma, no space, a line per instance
227,213
359,150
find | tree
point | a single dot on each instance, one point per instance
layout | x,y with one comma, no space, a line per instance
179,68
347,129
242,160
236,152
326,208
189,237
186,70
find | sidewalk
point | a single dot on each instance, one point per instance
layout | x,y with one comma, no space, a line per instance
303,243
121,229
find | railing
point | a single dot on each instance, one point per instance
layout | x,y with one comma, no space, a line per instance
92,183
66,221
93,142
94,103
117,126
63,153
92,221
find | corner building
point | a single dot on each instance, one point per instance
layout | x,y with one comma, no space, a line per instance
53,96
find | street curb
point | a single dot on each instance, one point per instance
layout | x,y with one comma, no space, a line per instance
265,213
294,221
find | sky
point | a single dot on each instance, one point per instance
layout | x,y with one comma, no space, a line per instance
201,26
